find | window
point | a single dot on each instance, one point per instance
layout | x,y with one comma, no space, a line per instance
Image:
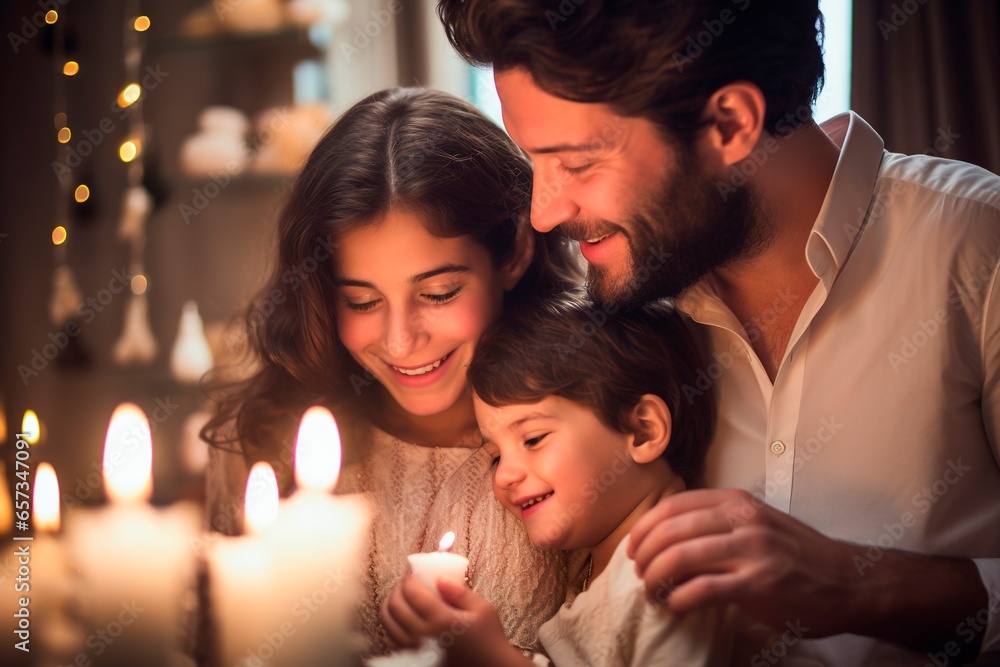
835,97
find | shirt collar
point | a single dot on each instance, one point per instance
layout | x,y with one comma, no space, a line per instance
845,207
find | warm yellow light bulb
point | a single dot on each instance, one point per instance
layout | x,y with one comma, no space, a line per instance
64,135
51,16
128,150
71,68
129,94
139,284
59,235
141,23
82,193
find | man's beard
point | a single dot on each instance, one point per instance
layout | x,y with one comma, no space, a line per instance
685,230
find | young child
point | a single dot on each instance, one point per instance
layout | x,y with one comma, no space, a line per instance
589,425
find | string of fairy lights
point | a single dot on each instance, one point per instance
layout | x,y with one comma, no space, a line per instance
130,151
66,297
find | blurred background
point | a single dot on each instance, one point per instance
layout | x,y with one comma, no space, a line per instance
147,147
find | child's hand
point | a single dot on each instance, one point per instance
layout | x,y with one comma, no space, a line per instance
462,621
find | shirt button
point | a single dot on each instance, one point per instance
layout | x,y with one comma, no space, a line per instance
777,448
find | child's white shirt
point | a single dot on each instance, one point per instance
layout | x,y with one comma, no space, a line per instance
612,624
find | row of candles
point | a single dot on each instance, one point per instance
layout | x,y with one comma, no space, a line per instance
281,594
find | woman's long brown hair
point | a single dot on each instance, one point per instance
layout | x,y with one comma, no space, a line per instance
414,149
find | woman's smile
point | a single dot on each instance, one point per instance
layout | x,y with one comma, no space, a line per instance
421,376
421,369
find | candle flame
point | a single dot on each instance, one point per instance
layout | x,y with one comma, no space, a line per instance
261,505
447,541
31,427
317,451
128,455
6,507
45,503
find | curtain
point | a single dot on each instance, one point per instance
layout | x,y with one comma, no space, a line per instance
926,75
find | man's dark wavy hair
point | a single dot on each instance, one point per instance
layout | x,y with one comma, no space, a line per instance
657,59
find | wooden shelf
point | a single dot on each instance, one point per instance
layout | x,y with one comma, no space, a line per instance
295,34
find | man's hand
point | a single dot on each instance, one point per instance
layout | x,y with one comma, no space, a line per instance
716,546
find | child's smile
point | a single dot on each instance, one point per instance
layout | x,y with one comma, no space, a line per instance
531,505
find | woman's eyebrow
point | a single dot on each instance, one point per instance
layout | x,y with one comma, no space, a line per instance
351,282
447,268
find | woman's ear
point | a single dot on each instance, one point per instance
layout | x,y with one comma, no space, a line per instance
524,252
650,424
735,115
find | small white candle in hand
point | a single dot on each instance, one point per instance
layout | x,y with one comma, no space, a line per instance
429,567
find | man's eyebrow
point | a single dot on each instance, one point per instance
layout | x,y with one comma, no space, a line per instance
412,280
567,148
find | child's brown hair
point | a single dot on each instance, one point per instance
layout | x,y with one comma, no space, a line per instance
567,346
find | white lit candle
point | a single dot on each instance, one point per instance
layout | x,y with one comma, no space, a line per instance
429,567
12,591
243,573
58,637
6,506
322,540
135,560
45,501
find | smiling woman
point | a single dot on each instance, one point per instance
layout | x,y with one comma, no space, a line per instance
411,306
422,203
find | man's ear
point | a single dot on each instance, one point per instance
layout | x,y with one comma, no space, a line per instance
524,252
735,115
650,423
